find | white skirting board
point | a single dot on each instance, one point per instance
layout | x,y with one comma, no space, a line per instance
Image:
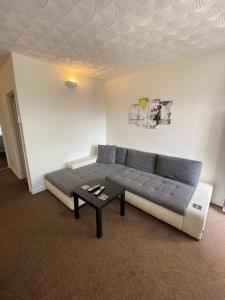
38,190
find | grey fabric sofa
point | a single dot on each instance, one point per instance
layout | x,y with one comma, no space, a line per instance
166,187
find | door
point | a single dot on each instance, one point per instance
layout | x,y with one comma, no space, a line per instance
14,120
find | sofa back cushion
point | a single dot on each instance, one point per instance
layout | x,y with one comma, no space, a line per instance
183,170
121,155
106,154
142,161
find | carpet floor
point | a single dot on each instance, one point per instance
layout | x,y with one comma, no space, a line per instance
46,254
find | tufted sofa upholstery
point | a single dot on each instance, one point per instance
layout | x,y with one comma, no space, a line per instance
169,193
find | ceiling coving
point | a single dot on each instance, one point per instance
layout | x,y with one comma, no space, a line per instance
110,37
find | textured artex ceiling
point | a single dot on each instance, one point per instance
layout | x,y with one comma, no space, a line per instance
110,37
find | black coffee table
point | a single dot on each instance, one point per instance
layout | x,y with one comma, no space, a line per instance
113,190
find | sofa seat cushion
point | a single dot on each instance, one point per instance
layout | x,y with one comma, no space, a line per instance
168,193
67,179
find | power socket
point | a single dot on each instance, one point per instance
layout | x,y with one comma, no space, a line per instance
199,207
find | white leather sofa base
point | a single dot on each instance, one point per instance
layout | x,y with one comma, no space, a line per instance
193,223
68,201
78,163
195,218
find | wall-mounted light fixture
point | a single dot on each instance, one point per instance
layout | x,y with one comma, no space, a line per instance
71,84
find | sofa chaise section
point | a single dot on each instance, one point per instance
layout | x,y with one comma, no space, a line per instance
62,182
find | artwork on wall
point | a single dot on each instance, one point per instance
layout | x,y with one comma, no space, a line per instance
150,113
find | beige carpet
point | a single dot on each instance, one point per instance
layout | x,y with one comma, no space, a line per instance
46,254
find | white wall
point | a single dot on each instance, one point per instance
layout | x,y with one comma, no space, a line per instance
7,85
219,194
197,86
59,124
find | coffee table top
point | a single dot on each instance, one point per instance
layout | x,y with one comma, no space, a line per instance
111,189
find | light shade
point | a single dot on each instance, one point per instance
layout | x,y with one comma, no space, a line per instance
70,84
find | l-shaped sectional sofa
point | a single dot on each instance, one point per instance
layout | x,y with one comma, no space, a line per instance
165,187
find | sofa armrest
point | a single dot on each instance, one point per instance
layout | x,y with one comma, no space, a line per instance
197,210
78,163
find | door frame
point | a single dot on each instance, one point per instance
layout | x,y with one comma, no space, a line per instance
14,118
16,132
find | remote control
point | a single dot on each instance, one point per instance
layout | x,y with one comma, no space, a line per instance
93,188
85,187
99,190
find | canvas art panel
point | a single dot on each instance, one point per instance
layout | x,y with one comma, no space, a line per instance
150,113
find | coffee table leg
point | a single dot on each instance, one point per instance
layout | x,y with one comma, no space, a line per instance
122,204
99,222
76,207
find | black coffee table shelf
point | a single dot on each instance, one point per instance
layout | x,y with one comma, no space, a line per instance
113,190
